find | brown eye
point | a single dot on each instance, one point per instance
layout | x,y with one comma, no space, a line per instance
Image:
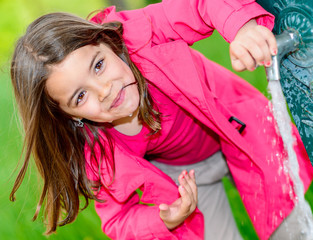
99,66
80,97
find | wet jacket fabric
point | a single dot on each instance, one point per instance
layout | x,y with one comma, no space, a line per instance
158,38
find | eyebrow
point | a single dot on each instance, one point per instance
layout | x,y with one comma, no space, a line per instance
93,60
90,68
71,98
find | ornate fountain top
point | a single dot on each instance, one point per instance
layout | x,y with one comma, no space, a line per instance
296,69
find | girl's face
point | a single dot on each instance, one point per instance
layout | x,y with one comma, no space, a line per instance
89,83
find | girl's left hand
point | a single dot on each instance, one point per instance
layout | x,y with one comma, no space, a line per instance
176,213
253,45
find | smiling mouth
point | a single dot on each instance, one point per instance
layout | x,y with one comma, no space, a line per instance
120,96
119,99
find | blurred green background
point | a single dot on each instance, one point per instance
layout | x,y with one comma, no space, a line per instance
15,218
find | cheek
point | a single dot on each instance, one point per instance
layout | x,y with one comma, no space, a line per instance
91,109
137,98
88,110
134,97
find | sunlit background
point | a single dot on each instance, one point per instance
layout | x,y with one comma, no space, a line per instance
15,218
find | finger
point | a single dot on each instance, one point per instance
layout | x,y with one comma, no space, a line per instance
183,180
193,185
241,58
237,65
261,52
257,47
191,181
267,44
186,202
270,38
164,211
192,175
163,207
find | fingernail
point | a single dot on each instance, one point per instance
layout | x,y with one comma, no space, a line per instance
262,63
274,51
268,64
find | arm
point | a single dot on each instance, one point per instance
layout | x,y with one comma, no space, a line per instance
243,23
131,220
122,214
193,20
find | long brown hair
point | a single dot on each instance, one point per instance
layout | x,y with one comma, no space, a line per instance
51,136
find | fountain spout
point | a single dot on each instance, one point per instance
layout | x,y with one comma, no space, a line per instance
287,42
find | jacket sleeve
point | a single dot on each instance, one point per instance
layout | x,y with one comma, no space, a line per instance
122,214
193,20
133,220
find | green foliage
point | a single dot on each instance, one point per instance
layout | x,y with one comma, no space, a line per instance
15,222
152,1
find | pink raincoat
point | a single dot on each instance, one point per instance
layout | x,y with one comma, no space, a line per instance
158,39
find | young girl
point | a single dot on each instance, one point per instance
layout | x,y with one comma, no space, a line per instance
103,100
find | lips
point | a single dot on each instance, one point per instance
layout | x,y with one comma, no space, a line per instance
119,99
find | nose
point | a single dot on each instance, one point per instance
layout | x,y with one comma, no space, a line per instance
103,90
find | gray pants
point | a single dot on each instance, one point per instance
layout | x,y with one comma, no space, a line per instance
213,202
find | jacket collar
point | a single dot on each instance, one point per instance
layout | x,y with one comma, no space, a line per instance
135,19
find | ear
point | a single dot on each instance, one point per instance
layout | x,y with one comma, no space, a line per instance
78,122
76,119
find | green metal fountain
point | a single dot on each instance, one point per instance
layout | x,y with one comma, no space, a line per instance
294,30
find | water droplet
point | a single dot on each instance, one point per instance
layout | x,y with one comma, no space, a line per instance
280,169
274,142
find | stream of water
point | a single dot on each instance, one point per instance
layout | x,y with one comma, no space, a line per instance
291,164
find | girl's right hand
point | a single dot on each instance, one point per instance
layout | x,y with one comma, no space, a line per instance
253,46
176,213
